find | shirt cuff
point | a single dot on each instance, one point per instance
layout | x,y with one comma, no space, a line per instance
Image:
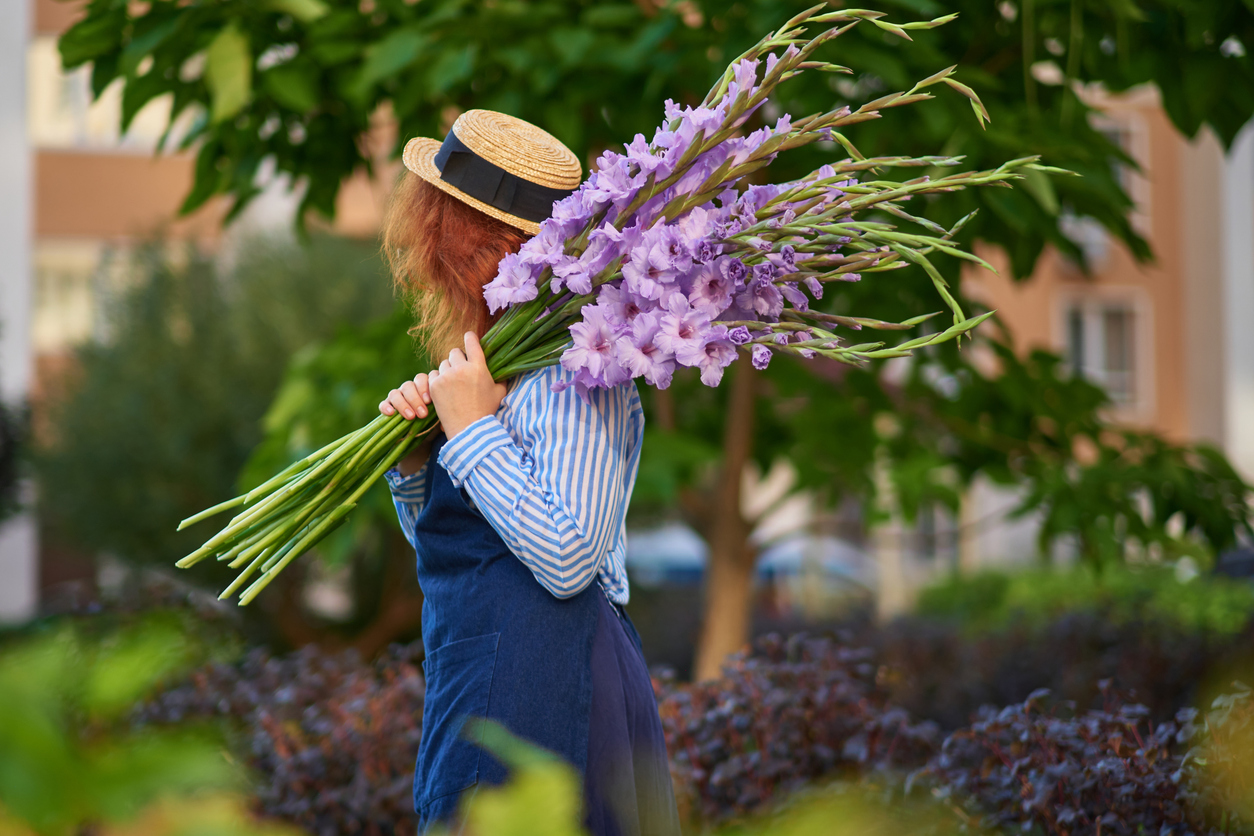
396,481
404,487
469,447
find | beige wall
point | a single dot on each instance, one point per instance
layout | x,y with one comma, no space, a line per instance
107,195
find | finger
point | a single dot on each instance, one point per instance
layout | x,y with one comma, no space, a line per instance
456,358
385,407
445,367
474,351
397,399
424,386
414,398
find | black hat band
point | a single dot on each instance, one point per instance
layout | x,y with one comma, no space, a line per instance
487,182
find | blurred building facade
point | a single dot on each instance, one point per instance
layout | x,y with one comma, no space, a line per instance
1170,340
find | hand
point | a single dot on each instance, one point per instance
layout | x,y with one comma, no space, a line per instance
410,399
462,389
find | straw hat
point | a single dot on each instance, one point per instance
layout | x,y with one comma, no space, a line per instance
499,164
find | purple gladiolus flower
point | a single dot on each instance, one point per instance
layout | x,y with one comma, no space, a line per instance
814,286
592,346
577,274
795,297
740,335
621,305
733,268
656,262
574,274
761,357
613,182
585,382
545,249
763,298
704,119
715,354
572,212
746,75
643,357
712,291
705,251
763,271
682,328
788,258
773,59
514,283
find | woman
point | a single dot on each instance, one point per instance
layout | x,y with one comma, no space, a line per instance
517,508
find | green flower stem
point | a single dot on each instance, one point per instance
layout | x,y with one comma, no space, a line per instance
332,521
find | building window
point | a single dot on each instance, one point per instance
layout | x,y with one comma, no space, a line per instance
1101,346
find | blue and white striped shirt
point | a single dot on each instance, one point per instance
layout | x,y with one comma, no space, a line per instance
552,475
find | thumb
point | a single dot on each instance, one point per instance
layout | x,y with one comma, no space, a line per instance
474,351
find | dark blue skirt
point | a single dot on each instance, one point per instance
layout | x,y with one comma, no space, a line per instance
628,788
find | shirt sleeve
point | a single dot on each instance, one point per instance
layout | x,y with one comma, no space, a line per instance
559,504
409,495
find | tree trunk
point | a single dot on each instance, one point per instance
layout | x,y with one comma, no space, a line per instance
729,572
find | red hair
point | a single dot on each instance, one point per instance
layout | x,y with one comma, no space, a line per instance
442,252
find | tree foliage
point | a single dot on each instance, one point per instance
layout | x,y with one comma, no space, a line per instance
297,81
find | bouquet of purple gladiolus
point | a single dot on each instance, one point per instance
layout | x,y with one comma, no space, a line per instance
666,257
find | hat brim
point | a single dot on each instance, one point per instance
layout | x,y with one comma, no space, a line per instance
419,157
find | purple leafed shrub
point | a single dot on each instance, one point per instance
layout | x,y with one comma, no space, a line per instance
1040,768
331,739
793,711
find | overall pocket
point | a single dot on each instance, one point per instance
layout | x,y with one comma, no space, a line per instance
459,681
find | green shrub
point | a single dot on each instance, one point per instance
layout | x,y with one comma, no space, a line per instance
990,600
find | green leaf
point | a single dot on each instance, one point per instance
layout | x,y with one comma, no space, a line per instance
139,92
92,37
612,15
144,44
207,178
103,71
451,68
1037,184
229,72
306,11
293,85
388,57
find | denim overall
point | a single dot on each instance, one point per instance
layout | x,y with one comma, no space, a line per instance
501,646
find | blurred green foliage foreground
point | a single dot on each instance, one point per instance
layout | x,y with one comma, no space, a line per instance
69,764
